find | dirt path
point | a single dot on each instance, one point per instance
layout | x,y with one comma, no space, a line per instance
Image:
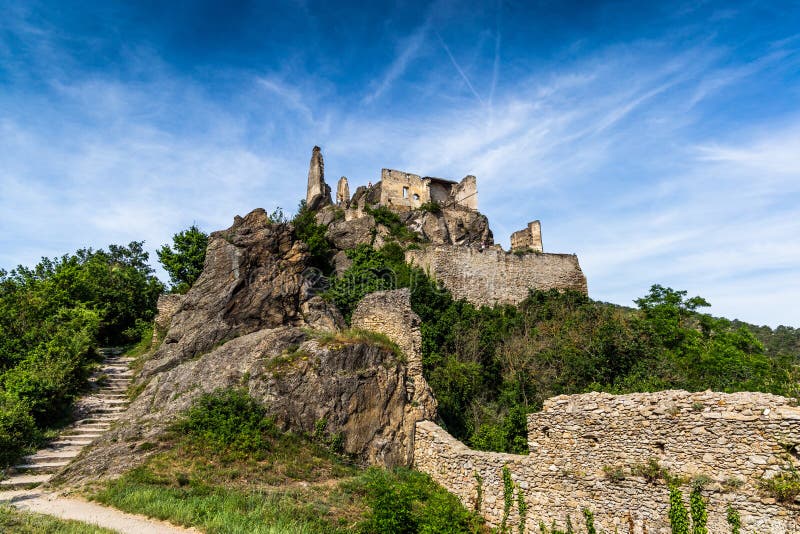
88,512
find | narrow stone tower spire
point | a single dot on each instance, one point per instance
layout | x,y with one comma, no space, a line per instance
342,192
318,193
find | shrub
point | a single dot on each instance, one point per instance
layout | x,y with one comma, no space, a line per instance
405,501
784,486
615,473
17,428
228,419
312,234
652,471
431,207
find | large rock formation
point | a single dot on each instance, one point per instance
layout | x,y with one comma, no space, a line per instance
252,321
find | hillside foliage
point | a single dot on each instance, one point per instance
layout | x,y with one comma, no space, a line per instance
184,260
489,367
52,317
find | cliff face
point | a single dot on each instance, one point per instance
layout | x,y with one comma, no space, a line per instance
252,321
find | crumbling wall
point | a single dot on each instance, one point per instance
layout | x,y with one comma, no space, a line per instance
403,190
166,307
493,276
389,313
529,238
730,435
733,439
465,193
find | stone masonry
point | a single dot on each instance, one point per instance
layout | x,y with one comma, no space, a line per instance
733,439
389,313
530,238
166,307
497,277
318,192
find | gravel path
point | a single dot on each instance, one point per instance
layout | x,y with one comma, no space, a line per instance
88,512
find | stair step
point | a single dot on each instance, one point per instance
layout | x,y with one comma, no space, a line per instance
40,467
52,455
71,442
24,481
85,435
93,426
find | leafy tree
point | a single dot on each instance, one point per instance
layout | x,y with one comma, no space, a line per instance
184,264
313,235
52,316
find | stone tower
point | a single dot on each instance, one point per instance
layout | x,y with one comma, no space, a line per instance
318,193
342,192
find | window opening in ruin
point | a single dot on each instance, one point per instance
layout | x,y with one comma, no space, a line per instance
416,197
405,192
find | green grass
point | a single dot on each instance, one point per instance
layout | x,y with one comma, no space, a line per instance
20,522
226,468
353,336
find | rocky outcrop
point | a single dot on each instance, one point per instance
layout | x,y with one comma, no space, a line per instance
451,226
252,321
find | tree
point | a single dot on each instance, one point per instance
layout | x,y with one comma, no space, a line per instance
185,263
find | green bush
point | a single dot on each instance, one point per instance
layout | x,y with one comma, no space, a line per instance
431,207
312,234
229,419
785,486
407,501
17,428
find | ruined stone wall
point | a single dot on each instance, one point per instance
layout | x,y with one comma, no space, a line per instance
497,277
389,313
728,435
528,238
737,437
465,193
166,307
393,184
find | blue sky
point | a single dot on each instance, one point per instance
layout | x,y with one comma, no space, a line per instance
659,141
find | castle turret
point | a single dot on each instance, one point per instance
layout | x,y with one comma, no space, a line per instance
318,193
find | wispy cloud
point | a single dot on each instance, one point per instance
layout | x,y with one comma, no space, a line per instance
459,69
629,154
409,49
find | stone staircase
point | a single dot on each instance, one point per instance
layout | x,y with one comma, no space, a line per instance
98,411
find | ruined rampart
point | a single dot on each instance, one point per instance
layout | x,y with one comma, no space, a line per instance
166,307
586,449
493,276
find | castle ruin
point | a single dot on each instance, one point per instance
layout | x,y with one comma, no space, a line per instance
457,247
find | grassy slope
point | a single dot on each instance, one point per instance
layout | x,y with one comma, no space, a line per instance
19,522
285,483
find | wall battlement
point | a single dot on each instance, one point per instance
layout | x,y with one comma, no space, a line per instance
725,437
